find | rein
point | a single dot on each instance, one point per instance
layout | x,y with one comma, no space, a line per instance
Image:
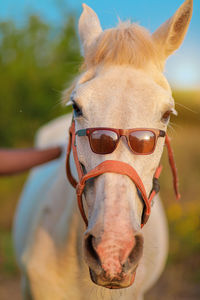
112,166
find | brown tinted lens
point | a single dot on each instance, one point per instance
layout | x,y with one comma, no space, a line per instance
103,141
142,141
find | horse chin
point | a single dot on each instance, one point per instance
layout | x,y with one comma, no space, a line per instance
116,283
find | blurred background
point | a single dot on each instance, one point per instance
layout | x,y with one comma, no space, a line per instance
39,56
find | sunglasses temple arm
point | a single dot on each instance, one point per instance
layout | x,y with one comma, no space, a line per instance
81,132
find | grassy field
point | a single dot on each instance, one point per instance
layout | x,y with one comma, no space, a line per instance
181,278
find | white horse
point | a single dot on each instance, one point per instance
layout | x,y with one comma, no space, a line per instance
122,86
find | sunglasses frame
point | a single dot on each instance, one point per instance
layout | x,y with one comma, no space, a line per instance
121,132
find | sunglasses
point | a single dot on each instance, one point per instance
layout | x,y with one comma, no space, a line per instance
105,140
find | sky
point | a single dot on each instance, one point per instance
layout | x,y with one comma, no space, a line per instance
182,69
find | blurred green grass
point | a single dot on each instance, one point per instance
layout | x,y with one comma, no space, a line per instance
10,189
8,264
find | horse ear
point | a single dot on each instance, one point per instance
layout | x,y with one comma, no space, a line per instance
89,27
169,36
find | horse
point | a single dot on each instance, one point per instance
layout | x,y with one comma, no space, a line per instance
121,109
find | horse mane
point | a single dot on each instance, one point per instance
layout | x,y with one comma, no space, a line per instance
128,44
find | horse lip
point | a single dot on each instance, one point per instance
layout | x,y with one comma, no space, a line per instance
113,284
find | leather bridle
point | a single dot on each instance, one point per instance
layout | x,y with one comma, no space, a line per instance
119,167
16,161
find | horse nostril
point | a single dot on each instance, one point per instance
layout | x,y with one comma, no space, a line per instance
89,247
91,256
137,251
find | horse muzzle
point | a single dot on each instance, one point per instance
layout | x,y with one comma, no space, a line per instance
113,265
118,282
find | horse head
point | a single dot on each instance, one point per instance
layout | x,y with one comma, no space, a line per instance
122,89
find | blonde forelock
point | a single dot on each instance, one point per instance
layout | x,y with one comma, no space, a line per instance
128,44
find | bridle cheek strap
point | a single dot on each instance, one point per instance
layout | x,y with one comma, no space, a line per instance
173,167
112,166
